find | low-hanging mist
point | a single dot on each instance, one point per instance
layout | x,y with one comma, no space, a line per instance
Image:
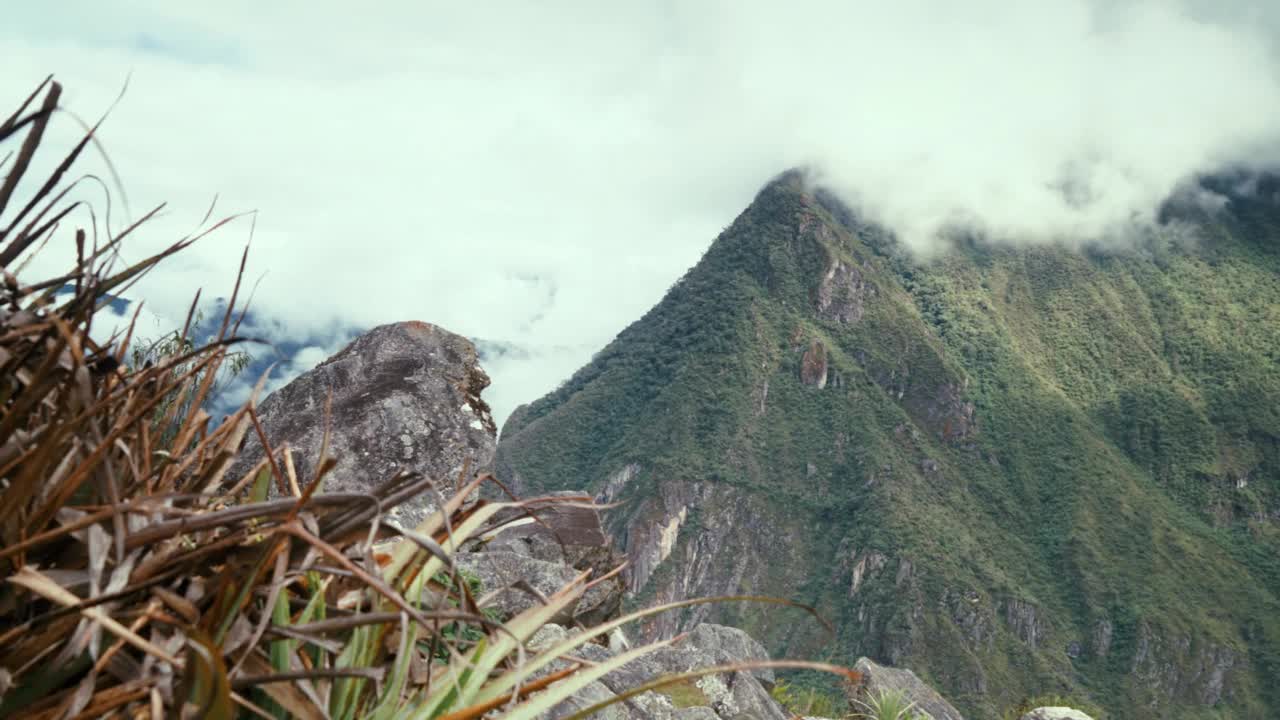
539,176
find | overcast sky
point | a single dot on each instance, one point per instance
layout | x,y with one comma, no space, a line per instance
539,173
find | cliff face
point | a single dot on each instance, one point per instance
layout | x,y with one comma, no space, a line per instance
404,396
1015,470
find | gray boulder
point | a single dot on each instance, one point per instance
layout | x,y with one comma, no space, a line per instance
1055,713
544,548
732,696
877,679
566,530
511,583
406,396
726,696
560,528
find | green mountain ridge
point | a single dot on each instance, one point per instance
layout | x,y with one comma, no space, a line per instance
1015,470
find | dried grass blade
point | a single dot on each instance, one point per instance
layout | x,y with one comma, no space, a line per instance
539,704
20,243
9,126
288,695
41,585
25,154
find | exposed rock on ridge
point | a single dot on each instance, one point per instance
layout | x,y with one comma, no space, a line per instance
729,696
877,679
405,396
1055,713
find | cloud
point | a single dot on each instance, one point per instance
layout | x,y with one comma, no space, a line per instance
539,175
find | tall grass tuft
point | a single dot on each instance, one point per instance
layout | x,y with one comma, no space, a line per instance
887,705
138,580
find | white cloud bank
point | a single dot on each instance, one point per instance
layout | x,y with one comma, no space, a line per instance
539,173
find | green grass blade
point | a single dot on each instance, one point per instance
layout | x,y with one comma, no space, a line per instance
504,685
673,678
535,706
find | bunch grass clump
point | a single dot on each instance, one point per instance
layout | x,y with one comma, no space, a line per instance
887,705
138,579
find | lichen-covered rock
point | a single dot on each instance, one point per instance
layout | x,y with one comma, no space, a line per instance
1055,713
405,396
877,679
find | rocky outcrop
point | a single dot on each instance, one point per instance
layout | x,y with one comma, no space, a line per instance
405,396
951,413
1026,621
650,534
686,529
878,679
1101,640
813,365
1055,713
973,617
538,552
841,293
1176,665
861,565
729,696
566,519
513,583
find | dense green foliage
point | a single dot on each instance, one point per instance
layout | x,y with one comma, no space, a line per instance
1066,460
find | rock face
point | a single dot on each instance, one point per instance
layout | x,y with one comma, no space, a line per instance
840,295
405,396
649,530
878,679
530,558
1172,664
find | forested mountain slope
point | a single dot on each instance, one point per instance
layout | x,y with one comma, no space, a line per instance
1013,469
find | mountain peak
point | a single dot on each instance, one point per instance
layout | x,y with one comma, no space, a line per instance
977,465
